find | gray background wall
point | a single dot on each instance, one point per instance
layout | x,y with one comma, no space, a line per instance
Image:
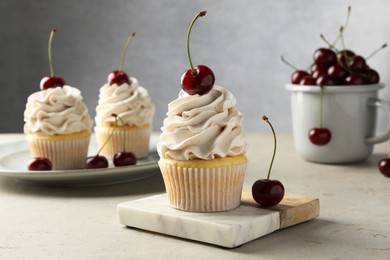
242,42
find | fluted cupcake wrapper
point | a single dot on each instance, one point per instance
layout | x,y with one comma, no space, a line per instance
66,154
137,140
203,189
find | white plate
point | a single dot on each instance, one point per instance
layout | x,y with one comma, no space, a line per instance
15,156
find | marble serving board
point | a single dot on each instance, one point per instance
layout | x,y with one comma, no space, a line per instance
227,229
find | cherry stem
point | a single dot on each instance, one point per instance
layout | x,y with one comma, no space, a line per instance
321,103
331,46
377,50
129,40
288,63
124,132
49,51
344,53
273,155
109,137
345,25
200,14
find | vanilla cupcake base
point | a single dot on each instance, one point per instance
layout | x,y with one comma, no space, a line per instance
65,152
136,140
204,185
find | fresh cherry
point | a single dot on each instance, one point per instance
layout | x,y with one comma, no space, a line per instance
384,167
199,79
354,79
344,56
39,164
337,73
308,80
319,72
325,80
325,57
319,135
95,162
357,64
124,159
298,75
268,192
51,82
371,77
119,77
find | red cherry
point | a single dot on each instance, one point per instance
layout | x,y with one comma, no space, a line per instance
320,136
371,77
200,83
124,159
354,79
357,64
51,82
325,57
298,75
199,79
345,56
95,162
267,193
325,80
384,167
308,80
118,77
39,164
319,72
338,73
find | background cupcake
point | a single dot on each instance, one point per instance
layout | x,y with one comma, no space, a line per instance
57,125
124,97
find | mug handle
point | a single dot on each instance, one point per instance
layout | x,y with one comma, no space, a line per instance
376,102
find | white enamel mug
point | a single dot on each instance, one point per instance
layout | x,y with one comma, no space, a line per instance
349,112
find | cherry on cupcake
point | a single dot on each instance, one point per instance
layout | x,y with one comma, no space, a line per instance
199,79
123,158
39,164
319,135
119,77
52,81
267,192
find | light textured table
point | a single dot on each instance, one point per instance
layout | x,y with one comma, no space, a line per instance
43,222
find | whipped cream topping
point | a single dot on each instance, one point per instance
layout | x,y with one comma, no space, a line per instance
53,111
202,127
131,103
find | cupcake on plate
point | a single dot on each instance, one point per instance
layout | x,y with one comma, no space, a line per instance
123,96
57,123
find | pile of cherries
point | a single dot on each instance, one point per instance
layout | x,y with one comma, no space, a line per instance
336,68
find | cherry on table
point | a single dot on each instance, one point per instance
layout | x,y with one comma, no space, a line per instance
384,167
124,159
39,164
199,79
95,162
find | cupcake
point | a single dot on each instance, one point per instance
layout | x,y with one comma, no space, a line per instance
57,123
123,96
58,126
202,152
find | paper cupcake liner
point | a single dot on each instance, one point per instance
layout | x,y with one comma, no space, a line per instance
203,189
66,154
137,141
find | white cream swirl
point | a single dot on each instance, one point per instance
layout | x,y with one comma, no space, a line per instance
131,103
53,111
202,127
